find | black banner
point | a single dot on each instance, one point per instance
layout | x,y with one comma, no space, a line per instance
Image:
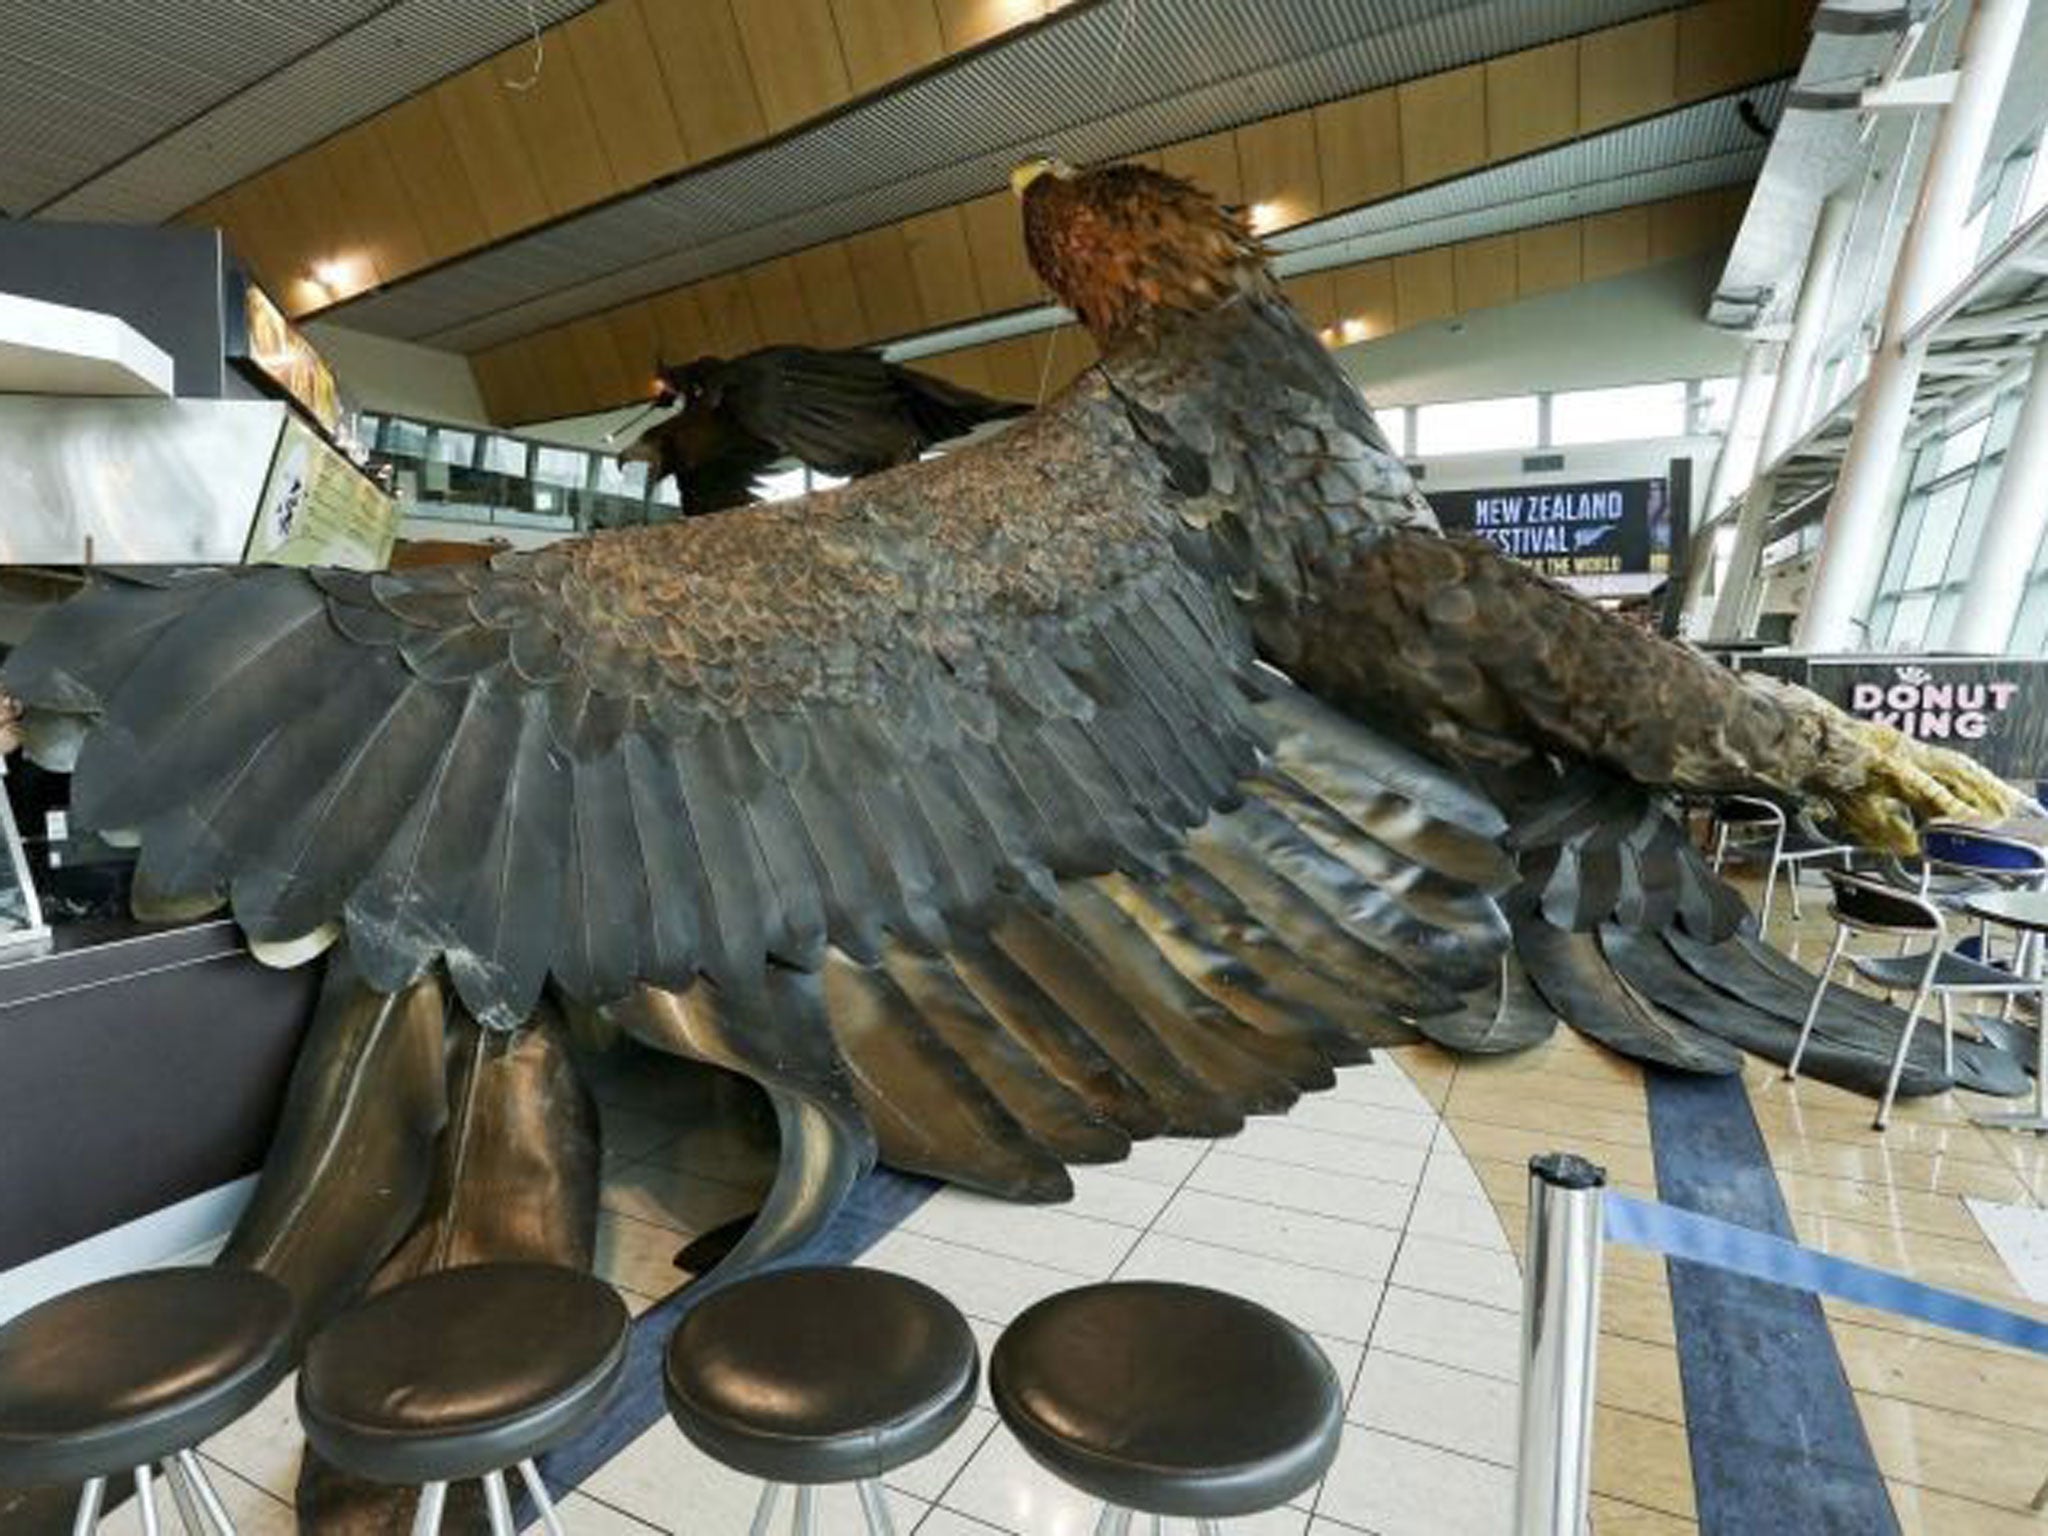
1587,528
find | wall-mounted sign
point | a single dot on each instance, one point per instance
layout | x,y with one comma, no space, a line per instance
1992,709
319,509
278,351
1594,528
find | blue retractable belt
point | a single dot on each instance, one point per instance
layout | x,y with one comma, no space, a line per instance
1703,1240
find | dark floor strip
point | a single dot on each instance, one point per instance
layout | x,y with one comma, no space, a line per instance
1776,1442
877,1204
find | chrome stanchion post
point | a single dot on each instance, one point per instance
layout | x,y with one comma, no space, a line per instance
1560,1332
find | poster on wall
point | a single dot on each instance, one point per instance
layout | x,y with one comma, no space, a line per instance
279,351
1571,530
1993,709
318,509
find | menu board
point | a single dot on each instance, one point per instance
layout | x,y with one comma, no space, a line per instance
318,509
1588,528
287,359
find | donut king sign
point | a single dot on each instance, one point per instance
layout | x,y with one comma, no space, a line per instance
1996,711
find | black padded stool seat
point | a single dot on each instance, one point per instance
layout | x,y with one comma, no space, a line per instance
1169,1399
133,1370
811,1376
462,1373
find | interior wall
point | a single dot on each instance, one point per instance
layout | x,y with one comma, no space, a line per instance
1637,328
381,374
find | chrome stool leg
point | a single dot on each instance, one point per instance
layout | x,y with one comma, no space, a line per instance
202,1486
182,1497
875,1508
538,1492
1208,1528
145,1502
426,1520
806,1509
90,1497
764,1512
1113,1521
497,1505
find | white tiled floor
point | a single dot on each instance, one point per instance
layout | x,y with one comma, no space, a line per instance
2020,1234
1356,1216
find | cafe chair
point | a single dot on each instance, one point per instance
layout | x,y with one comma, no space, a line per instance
1172,1401
1744,824
464,1373
130,1375
1864,904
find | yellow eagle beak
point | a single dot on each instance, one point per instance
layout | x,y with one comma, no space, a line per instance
1030,170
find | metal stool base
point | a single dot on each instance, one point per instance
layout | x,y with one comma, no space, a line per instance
200,1511
1115,1520
874,1508
426,1520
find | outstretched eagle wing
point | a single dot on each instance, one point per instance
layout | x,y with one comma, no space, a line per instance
665,752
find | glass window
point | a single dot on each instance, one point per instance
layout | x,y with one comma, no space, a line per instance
561,466
505,455
1717,404
1909,622
448,446
1615,415
1963,446
1937,534
408,438
616,479
1393,420
1476,426
2035,198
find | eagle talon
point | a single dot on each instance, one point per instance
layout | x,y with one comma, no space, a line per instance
1909,783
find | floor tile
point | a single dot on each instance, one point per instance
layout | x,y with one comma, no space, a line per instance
262,1446
1321,1242
1454,1410
1368,1121
928,1477
670,1197
1278,1141
1460,1219
1109,1193
1459,1270
1319,1193
2019,1234
1396,1487
1163,1160
1321,1301
1051,1235
637,1255
585,1516
984,1285
1455,1333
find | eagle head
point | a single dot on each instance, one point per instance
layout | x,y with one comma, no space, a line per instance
1124,246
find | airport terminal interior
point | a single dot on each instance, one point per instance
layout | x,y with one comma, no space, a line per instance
1024,767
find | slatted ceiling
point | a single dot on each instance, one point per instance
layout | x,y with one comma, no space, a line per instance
619,77
1365,294
942,267
1628,71
429,177
477,110
883,40
793,51
703,62
963,23
1194,67
995,237
1358,141
1616,242
730,325
1278,167
1484,272
883,275
1547,258
1532,99
777,302
637,336
1209,162
1443,125
1723,43
830,296
1425,287
1315,295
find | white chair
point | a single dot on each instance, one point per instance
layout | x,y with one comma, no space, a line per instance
1744,823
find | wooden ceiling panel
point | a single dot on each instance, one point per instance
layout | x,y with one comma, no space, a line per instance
883,40
1280,172
703,61
778,299
1425,287
1532,99
942,266
1484,271
475,107
312,203
1683,225
882,275
1210,162
793,49
680,324
1016,363
1726,43
619,75
1627,72
1443,125
1365,297
824,274
968,367
605,368
1616,242
995,234
1548,258
967,22
1314,296
636,333
1359,142
253,222
430,177
375,209
555,124
729,321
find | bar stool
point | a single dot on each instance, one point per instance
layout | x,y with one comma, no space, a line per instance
462,1374
131,1374
1168,1400
815,1376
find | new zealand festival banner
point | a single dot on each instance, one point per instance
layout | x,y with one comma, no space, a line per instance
1591,528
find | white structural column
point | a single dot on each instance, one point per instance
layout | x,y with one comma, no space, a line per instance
1737,601
1755,376
1853,539
2012,528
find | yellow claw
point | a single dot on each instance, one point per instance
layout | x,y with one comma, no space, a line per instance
1909,783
